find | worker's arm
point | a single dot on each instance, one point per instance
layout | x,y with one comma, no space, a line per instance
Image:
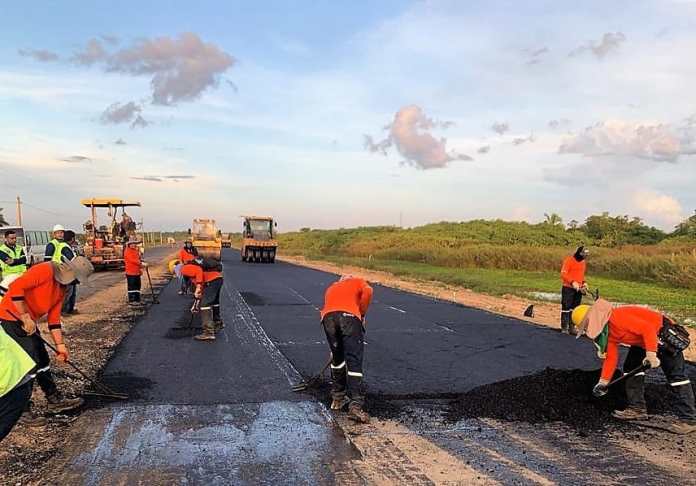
67,254
6,258
55,326
365,299
17,293
610,361
48,254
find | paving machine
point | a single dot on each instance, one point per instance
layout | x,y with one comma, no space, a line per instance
207,238
227,240
104,244
258,239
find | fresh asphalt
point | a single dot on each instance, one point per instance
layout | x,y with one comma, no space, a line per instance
223,411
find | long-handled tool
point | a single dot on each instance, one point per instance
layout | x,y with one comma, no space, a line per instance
640,369
313,381
105,391
152,290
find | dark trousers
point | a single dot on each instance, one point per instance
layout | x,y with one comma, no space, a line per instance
570,299
674,369
12,405
70,299
185,285
134,285
345,333
210,301
34,347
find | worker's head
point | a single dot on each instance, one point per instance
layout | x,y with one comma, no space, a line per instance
58,232
581,253
579,314
188,244
69,236
10,238
76,270
345,276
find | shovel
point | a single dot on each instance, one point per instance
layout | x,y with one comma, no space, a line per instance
152,290
631,373
313,381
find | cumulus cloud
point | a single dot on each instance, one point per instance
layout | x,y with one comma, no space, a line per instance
120,141
484,150
140,122
661,207
500,127
410,134
609,42
40,55
76,159
561,123
93,52
120,113
621,138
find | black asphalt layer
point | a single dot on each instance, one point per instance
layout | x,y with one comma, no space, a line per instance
414,344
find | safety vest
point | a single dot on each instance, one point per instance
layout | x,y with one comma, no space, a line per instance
16,363
15,254
58,250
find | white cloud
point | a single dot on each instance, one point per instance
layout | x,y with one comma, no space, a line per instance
661,207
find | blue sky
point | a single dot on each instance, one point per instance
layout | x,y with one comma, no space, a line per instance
330,114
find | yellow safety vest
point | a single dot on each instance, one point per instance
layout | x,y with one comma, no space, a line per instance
58,250
15,254
16,363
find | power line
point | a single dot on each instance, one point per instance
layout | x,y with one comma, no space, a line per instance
24,203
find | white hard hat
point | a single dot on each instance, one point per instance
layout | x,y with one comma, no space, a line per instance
58,227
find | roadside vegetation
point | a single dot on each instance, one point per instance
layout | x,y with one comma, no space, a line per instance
629,261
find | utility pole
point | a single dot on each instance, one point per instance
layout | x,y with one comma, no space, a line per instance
19,211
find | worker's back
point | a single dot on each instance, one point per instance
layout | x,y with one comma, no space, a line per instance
351,295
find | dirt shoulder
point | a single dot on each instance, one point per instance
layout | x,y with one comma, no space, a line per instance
104,319
545,313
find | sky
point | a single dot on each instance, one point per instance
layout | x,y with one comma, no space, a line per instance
330,114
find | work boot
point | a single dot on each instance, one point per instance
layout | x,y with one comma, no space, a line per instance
571,329
356,413
208,326
31,419
631,413
57,403
337,403
219,326
681,427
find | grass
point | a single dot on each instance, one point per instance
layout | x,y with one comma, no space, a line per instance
677,301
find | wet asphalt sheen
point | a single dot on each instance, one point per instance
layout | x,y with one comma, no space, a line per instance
224,413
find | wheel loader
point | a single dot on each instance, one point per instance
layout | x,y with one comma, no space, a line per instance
206,238
258,239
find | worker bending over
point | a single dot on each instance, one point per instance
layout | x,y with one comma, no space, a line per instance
654,341
134,270
186,255
343,318
573,278
57,249
208,281
39,292
16,382
13,260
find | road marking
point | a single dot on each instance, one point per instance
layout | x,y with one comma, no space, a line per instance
306,301
396,309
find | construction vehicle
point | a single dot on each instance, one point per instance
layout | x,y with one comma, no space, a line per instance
227,240
207,238
104,244
258,239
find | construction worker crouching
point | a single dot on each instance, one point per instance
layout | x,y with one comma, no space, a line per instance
573,278
343,318
39,292
134,270
13,260
208,280
655,341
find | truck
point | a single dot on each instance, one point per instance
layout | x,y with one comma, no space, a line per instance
258,239
227,240
206,238
104,244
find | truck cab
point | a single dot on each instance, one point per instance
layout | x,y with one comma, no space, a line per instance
258,239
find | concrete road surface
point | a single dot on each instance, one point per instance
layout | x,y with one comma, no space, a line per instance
223,413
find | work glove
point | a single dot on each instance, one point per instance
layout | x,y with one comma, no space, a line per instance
601,388
28,324
62,355
651,359
575,285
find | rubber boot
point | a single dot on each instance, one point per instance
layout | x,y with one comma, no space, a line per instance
208,325
338,388
356,413
635,398
217,319
57,403
565,322
338,402
31,419
684,402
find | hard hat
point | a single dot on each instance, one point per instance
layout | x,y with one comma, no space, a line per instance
79,268
579,313
58,227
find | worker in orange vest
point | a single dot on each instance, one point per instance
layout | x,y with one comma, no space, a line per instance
134,269
655,341
186,255
37,293
343,318
208,282
574,285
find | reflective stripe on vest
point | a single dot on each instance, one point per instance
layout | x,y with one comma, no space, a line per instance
16,363
58,250
15,255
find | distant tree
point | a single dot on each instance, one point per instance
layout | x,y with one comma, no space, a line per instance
686,227
573,224
305,230
621,230
3,222
553,219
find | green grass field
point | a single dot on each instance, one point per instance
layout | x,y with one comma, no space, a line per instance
677,301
